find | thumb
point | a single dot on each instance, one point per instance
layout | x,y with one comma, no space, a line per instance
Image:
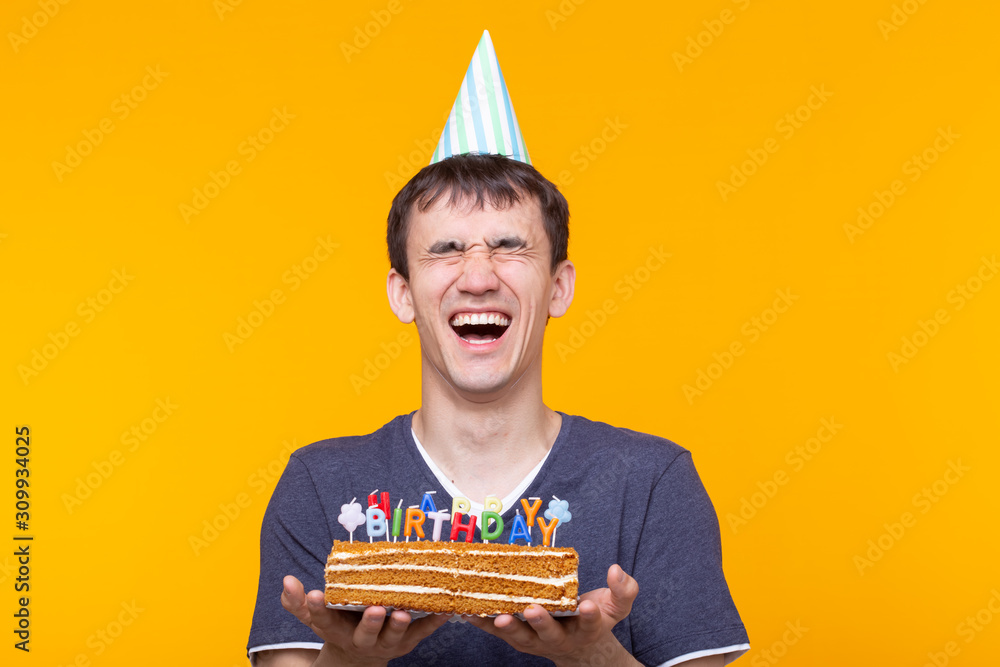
624,590
293,599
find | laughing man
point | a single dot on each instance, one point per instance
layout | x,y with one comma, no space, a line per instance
478,253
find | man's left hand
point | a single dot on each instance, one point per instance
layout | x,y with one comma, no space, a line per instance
572,640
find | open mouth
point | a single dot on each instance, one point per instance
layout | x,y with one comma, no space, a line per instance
480,328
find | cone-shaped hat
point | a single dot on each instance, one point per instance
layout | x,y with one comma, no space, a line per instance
482,119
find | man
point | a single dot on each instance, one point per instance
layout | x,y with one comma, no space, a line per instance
478,250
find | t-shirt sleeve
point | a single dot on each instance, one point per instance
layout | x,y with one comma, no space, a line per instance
684,607
294,539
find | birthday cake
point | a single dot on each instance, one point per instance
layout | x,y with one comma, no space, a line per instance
483,579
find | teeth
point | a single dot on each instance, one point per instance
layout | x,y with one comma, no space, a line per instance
480,342
480,318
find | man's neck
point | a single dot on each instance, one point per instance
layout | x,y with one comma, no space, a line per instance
486,448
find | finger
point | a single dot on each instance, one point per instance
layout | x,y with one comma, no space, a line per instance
547,628
327,623
591,619
293,599
366,634
422,627
514,631
624,590
395,627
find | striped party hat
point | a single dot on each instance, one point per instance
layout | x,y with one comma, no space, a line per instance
482,119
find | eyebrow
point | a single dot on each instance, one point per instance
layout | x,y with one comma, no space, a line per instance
442,247
509,242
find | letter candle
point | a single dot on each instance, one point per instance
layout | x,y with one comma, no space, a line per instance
376,525
414,521
530,511
437,518
548,530
397,519
492,507
458,527
488,532
519,530
383,504
460,505
427,504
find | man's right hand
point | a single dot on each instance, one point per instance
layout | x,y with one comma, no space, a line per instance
368,640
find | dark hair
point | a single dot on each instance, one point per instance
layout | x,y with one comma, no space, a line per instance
477,179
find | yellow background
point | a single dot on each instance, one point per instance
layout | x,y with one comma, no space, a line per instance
680,129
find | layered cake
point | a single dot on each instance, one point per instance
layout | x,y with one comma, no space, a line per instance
452,577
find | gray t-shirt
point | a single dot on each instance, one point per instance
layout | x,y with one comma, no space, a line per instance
635,500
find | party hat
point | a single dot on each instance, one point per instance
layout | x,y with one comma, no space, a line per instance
482,119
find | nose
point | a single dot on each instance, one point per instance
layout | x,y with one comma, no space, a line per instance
478,275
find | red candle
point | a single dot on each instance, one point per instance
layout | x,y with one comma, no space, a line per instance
458,527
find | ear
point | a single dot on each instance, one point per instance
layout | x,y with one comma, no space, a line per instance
400,302
563,284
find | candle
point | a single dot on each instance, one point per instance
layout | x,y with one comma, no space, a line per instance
519,530
493,504
376,523
414,522
460,505
427,504
547,530
351,516
558,509
488,532
531,510
397,519
458,527
437,518
374,502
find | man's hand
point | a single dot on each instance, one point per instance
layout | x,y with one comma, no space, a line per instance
356,639
574,640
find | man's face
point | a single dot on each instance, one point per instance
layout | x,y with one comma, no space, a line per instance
480,291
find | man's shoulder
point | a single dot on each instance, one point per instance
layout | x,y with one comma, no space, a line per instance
346,447
600,435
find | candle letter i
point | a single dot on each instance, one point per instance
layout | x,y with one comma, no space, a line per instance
397,519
